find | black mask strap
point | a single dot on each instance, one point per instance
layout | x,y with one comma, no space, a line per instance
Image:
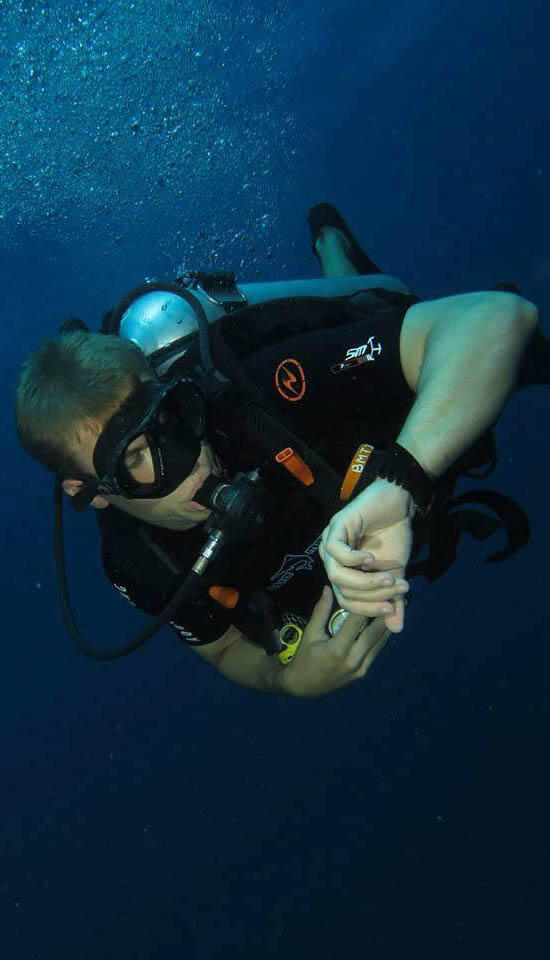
90,488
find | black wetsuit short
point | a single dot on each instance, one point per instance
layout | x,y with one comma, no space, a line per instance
365,402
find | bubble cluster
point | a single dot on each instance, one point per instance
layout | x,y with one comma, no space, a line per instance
117,113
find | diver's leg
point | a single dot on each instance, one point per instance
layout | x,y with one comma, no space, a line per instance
340,254
332,249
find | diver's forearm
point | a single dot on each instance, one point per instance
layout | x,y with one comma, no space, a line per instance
248,665
468,371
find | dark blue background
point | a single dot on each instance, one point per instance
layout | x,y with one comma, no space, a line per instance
148,807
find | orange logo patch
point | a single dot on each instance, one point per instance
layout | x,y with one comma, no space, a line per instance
290,380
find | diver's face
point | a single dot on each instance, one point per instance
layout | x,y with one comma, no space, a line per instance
178,510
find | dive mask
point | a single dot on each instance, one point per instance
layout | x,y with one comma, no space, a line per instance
171,417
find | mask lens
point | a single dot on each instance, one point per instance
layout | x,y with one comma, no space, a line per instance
138,463
182,413
155,461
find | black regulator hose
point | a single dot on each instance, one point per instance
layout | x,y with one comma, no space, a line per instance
240,510
186,589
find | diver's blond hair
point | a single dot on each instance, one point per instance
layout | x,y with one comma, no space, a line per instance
68,384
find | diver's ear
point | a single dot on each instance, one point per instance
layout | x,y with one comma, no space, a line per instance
72,487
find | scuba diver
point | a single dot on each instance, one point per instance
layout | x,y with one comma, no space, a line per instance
271,463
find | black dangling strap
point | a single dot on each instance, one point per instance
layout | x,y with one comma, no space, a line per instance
441,532
512,518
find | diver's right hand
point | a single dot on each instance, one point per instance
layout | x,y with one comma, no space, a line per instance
323,663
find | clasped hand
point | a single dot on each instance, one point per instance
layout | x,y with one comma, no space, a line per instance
365,549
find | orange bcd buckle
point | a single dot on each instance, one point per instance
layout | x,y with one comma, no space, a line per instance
290,460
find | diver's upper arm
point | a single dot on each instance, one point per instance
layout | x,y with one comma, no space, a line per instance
415,328
421,318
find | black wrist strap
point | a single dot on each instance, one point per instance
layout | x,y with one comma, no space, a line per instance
394,464
399,466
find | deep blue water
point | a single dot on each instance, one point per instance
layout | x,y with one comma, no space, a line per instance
148,807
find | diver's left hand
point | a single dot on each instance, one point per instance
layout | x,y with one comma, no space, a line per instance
378,522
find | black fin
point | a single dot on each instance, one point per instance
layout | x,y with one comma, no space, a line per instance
325,215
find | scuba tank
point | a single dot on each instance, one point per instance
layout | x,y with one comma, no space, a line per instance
164,319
